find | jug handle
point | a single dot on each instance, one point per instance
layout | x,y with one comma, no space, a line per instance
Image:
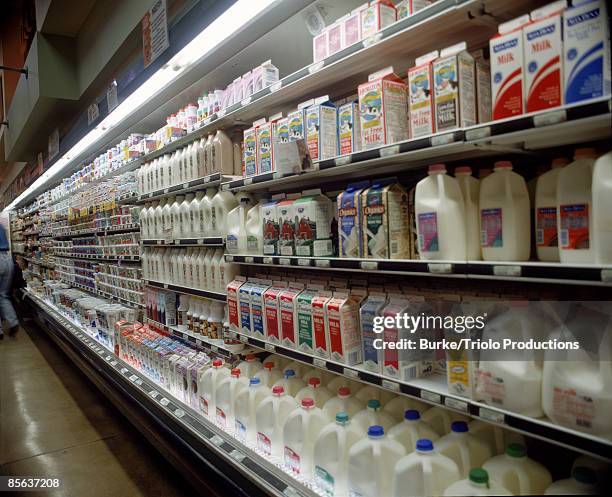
427,476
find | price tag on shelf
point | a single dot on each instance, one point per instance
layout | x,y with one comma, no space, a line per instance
371,40
491,415
507,270
244,339
166,190
274,87
246,101
164,401
390,385
343,161
268,260
283,261
431,396
478,133
200,241
216,440
247,181
229,258
108,358
249,260
153,394
304,262
198,342
237,455
369,265
316,67
270,347
221,113
214,348
323,263
123,370
133,378
460,405
389,151
351,373
444,139
206,179
290,492
138,382
320,363
549,118
440,268
179,413
606,275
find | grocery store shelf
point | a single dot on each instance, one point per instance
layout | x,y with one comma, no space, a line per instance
109,230
221,296
40,263
106,295
94,257
215,241
209,181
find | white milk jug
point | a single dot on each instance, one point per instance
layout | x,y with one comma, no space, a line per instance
371,392
342,381
582,482
497,438
245,409
440,419
209,164
270,418
505,227
290,382
279,361
470,190
602,209
424,472
373,415
209,383
254,230
342,402
223,153
225,398
206,213
236,235
250,365
440,216
324,376
299,368
269,375
401,403
315,391
411,429
600,467
476,484
186,230
221,204
464,448
545,213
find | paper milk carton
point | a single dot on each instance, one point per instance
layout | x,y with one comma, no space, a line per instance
420,95
321,129
233,309
378,15
287,301
319,323
271,229
296,122
507,86
250,152
286,220
244,304
313,231
386,227
343,326
371,308
483,87
334,38
272,310
586,48
350,228
454,88
349,128
319,46
280,132
305,334
543,52
258,322
351,26
263,143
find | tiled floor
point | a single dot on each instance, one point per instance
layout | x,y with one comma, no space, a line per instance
53,422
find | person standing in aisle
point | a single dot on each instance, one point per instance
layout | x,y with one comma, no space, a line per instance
6,281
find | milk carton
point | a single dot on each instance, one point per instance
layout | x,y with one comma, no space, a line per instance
264,132
349,128
313,232
406,8
420,93
455,89
319,46
271,229
586,48
244,304
543,47
321,129
286,221
319,323
507,91
287,301
272,311
334,38
296,122
343,327
258,321
386,230
378,15
483,87
233,309
280,132
250,152
351,27
350,233
371,307
383,109
305,335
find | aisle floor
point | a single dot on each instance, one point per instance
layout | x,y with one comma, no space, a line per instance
54,422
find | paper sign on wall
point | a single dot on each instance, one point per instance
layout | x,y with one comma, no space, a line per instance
154,32
53,143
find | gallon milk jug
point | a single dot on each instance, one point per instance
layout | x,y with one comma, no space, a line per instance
477,483
290,382
464,448
440,216
497,438
209,164
370,464
314,390
245,409
331,452
299,368
470,190
225,398
202,158
342,402
582,482
209,382
545,212
505,227
324,376
600,467
299,434
441,419
206,213
223,153
270,418
342,381
221,204
424,472
186,229
269,375
575,209
254,230
236,235
518,473
400,404
411,429
371,392
373,415
250,365
602,209
279,361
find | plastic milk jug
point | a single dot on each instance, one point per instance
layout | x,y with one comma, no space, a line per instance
464,448
440,216
221,204
250,365
206,213
517,472
470,190
477,483
582,482
315,391
342,402
236,235
269,375
209,382
545,212
412,429
290,382
247,402
270,418
369,392
424,472
373,415
324,376
400,404
299,434
331,451
371,462
497,438
298,367
279,361
602,209
441,419
504,215
254,231
225,398
342,381
223,153
575,209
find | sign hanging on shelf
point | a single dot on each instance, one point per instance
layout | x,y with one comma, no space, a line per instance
154,32
93,112
53,143
111,96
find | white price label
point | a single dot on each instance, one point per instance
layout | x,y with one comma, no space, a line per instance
491,415
214,348
549,118
351,373
246,101
221,113
320,363
322,262
200,241
138,382
507,270
198,342
217,440
390,385
606,275
369,265
123,370
113,363
249,260
185,185
445,139
478,133
317,66
389,151
304,262
244,339
371,40
133,378
164,401
268,260
460,405
166,190
270,347
247,181
343,161
108,358
431,396
229,258
440,268
153,394
237,455
179,413
283,261
274,87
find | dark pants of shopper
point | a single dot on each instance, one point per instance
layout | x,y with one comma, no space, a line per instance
6,280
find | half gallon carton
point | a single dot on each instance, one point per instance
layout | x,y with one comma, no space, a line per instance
319,323
319,46
280,132
287,301
351,26
296,122
244,304
507,86
587,51
334,38
343,326
286,220
233,308
378,15
455,88
350,228
371,308
314,216
386,228
258,321
305,334
263,140
383,109
543,47
321,129
271,229
420,94
272,310
483,87
349,128
250,151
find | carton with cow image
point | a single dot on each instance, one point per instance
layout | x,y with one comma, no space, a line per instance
321,128
314,216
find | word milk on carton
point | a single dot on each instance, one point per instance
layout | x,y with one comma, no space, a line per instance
321,129
244,304
258,321
378,15
454,88
305,335
233,308
507,86
272,311
313,232
319,323
343,326
383,109
370,309
420,95
271,229
350,228
543,47
286,220
287,301
349,128
586,47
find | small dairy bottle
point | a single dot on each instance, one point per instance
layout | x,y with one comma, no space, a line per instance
582,482
254,230
331,451
517,472
505,223
411,429
371,392
225,398
269,375
545,213
464,448
440,216
299,368
398,406
497,438
373,415
270,419
250,365
602,209
340,380
371,462
208,387
476,484
299,434
290,382
470,190
440,419
221,204
224,154
314,390
247,402
185,211
342,402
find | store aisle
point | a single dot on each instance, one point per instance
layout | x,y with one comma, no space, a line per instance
54,422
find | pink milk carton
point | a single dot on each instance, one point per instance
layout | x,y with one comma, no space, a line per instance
272,311
287,301
343,326
319,323
233,309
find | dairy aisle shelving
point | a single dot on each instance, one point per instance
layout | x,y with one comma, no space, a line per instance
196,292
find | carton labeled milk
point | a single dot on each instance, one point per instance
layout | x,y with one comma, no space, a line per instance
250,152
280,132
305,334
383,109
351,26
378,15
313,232
349,128
321,129
244,304
319,46
586,48
272,310
271,229
263,142
286,221
334,38
420,95
233,309
343,327
543,52
507,86
287,301
258,322
350,228
455,88
371,308
319,323
296,122
483,87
